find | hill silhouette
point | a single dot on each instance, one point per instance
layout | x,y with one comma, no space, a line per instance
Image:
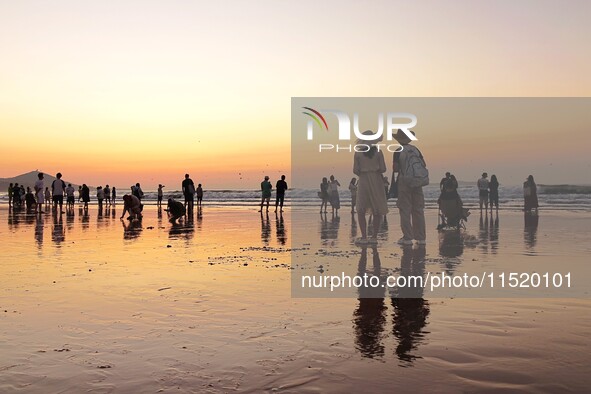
29,179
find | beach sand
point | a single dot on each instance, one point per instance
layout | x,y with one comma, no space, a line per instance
90,305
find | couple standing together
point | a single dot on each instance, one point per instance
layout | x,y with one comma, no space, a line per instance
410,166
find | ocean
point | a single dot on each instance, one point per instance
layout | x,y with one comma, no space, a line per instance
558,197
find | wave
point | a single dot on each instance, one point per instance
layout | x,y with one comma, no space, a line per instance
564,189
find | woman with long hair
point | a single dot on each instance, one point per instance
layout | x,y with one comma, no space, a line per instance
370,166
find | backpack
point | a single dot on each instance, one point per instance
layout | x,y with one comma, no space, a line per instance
414,173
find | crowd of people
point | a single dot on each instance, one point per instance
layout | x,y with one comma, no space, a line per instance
370,191
41,197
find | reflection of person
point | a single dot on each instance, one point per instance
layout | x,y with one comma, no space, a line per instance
369,167
175,209
133,205
530,194
333,195
280,188
353,190
410,308
369,318
530,230
266,188
411,200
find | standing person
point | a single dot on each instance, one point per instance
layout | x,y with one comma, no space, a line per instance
369,167
139,193
199,195
47,196
189,192
85,195
160,195
107,191
266,188
79,193
58,187
22,193
39,186
69,197
412,176
530,194
444,181
333,194
483,191
100,196
323,194
114,196
386,185
353,190
280,188
493,194
15,195
10,188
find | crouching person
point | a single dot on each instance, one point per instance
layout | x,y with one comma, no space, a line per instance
133,205
175,210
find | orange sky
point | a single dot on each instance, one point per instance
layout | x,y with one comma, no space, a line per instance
146,91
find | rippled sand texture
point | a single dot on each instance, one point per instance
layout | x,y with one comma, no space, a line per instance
88,304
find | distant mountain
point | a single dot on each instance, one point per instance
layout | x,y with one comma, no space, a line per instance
29,179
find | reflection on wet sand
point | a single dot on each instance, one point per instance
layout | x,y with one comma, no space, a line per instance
530,231
329,228
132,229
58,232
451,246
184,229
265,228
370,316
409,309
281,233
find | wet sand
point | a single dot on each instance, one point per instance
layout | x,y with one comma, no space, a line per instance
88,304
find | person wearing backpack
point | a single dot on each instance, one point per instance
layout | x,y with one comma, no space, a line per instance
412,176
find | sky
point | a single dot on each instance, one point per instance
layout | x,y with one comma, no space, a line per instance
144,91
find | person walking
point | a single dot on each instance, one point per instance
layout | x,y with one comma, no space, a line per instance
280,188
412,176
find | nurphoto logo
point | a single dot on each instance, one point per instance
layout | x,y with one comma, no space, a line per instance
391,125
